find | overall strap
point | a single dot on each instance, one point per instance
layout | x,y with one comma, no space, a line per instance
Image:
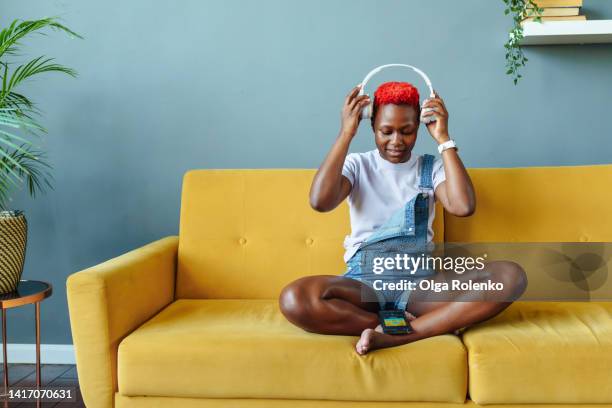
426,182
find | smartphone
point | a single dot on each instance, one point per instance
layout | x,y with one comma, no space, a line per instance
394,322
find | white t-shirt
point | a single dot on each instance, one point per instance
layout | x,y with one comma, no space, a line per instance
379,189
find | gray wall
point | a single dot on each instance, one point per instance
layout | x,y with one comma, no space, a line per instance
169,86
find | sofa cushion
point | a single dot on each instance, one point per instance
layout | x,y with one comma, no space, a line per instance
542,352
258,221
537,204
246,349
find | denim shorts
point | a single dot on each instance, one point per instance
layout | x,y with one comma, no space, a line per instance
387,299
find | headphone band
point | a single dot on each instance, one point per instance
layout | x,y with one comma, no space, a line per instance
380,68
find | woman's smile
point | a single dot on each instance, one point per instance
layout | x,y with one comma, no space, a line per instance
396,150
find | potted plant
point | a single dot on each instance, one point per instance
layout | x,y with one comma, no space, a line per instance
21,161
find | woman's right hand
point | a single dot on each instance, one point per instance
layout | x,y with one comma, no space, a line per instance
351,111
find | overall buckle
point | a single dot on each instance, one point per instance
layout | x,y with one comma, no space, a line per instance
424,191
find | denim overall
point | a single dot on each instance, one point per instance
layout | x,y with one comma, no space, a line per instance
405,232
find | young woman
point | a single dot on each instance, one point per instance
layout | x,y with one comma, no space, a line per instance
391,189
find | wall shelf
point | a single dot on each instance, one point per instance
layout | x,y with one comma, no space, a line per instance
567,32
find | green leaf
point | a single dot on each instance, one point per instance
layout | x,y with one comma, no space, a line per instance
20,163
36,66
18,29
514,54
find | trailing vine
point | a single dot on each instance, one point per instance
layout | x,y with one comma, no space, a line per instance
515,58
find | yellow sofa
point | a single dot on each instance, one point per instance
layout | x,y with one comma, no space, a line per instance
193,320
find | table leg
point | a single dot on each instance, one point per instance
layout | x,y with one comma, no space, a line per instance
37,306
4,362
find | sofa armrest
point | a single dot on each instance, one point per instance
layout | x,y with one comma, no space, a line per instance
109,301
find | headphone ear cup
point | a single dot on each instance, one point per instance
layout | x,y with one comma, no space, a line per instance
366,112
429,119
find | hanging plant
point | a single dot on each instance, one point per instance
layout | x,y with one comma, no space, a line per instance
515,58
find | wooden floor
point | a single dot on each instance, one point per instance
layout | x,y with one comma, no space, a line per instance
53,375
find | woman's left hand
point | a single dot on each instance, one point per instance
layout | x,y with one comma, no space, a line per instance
438,129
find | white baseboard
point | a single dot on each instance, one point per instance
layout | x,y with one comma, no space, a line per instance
49,353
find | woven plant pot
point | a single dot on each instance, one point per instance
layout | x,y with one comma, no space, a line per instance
13,238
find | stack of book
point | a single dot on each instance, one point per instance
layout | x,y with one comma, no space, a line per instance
557,10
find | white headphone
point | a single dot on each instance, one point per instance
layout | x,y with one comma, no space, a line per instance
366,113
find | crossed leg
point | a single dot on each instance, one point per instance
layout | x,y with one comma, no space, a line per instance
458,309
333,305
328,304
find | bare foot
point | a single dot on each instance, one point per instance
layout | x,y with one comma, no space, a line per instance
372,339
364,344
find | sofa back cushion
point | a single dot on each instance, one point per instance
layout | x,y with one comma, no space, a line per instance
247,233
537,204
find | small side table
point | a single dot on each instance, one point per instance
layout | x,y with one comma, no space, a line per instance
28,292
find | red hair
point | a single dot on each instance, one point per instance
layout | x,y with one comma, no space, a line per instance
396,93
